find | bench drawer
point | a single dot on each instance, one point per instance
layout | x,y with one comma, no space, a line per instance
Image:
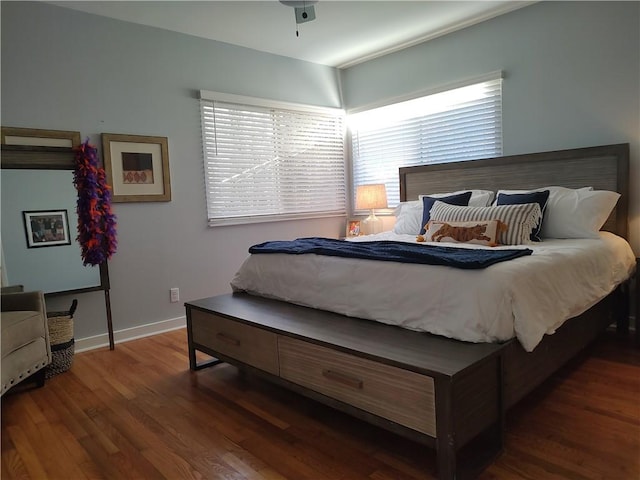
398,395
250,345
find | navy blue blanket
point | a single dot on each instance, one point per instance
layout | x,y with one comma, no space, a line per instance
390,251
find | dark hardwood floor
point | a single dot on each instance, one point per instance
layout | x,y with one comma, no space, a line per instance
138,412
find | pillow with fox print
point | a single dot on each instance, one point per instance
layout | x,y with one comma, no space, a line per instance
482,232
520,219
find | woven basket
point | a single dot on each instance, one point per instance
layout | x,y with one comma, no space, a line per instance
61,340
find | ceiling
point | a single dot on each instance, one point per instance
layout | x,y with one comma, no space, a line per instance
344,33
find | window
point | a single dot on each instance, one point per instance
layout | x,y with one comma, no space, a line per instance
268,161
463,123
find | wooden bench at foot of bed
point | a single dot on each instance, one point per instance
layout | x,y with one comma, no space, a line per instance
437,391
447,394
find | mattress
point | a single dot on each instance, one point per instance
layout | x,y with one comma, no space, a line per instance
526,298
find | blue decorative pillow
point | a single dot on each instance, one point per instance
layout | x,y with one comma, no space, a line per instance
460,199
540,198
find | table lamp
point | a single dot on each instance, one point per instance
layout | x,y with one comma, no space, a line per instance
371,197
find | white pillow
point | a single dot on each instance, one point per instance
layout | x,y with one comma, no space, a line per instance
578,213
575,213
408,217
409,214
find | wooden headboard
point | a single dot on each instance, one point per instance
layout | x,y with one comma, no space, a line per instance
603,168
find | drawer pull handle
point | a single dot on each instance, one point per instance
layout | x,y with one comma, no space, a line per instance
342,378
228,339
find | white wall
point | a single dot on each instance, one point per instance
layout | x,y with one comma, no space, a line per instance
68,70
572,77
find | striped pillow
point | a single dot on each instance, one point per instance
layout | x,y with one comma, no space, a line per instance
520,219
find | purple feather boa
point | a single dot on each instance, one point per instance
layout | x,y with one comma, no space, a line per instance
96,222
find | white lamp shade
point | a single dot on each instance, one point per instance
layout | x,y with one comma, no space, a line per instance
371,196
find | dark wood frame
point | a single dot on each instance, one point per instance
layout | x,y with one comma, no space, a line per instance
471,395
32,157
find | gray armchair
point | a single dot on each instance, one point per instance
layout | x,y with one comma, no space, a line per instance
24,338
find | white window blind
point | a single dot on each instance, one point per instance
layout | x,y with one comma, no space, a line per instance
265,163
464,123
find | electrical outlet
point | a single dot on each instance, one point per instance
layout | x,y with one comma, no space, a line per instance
174,294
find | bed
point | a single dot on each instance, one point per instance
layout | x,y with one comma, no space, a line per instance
449,394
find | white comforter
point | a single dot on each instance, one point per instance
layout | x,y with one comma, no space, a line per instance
527,297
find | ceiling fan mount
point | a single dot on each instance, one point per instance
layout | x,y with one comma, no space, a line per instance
304,9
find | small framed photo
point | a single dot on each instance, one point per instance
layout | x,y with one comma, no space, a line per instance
353,228
46,228
137,167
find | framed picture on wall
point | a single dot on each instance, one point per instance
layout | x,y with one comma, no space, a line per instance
353,228
137,167
46,228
